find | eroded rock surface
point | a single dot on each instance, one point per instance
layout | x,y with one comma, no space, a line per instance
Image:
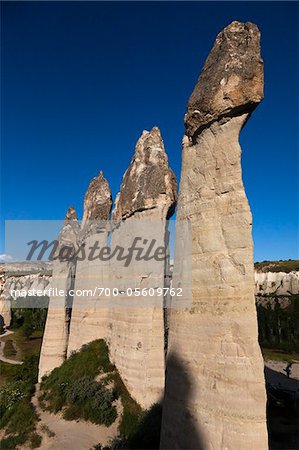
215,391
231,81
55,339
148,181
5,314
90,313
136,339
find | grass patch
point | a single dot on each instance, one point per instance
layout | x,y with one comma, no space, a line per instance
132,412
17,346
146,434
17,382
9,350
18,417
278,355
71,388
7,372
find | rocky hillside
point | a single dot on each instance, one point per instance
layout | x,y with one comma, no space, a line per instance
277,302
24,276
287,266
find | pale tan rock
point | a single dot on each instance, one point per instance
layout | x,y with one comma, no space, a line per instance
5,314
55,339
215,391
137,336
277,283
90,313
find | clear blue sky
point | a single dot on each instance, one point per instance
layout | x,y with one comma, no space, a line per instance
80,81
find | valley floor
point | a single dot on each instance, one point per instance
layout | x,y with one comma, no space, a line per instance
58,433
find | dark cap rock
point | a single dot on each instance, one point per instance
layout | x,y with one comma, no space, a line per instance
69,233
97,200
231,81
148,182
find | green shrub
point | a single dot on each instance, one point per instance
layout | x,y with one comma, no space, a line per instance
18,416
9,349
10,394
72,388
35,440
81,390
28,329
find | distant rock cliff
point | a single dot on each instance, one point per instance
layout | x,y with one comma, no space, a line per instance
38,275
276,283
23,276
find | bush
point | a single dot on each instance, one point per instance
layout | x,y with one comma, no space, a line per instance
18,416
82,389
72,387
9,349
35,440
91,400
20,420
28,329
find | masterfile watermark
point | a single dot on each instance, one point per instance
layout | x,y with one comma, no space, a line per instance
68,264
140,250
96,292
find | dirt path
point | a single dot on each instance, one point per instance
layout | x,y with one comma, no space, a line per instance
2,344
61,434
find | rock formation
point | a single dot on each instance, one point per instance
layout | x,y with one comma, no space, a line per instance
136,341
215,394
25,277
55,339
5,314
90,314
37,275
276,283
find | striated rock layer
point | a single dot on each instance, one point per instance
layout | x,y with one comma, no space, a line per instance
215,392
136,340
55,339
25,277
276,283
5,310
90,314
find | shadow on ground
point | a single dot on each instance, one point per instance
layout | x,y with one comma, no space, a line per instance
282,410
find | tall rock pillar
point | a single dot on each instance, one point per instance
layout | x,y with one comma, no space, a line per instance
5,306
146,200
215,392
90,313
55,339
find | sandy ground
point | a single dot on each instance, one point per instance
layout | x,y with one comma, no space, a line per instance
60,434
72,435
2,357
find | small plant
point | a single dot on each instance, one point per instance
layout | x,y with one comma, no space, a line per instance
35,440
72,387
45,429
18,416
